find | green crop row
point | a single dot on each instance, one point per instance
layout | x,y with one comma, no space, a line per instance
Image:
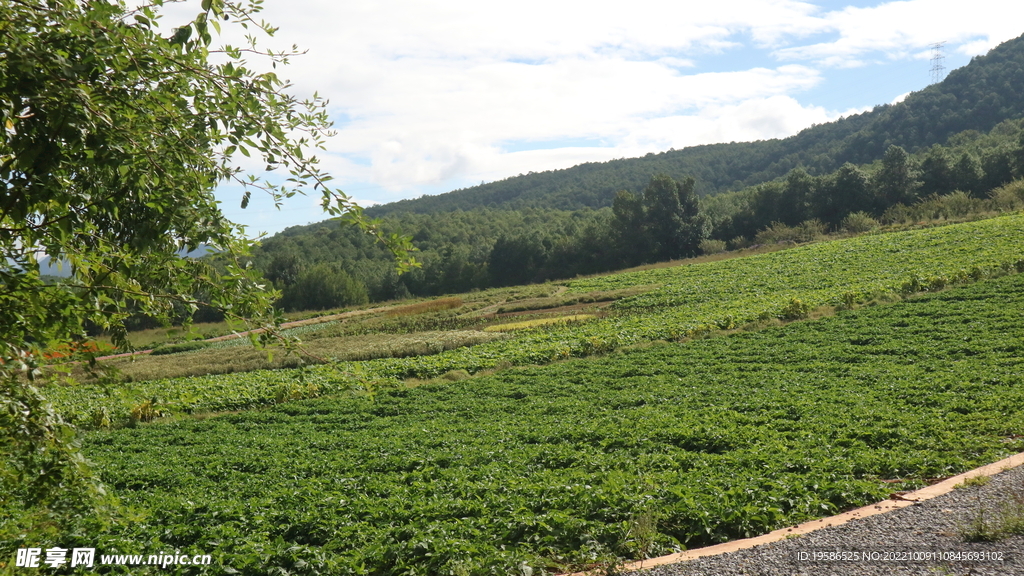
692,300
541,469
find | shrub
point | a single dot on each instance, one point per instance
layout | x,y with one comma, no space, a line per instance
1008,197
739,243
710,246
455,375
847,300
295,391
796,309
953,205
778,232
897,214
859,222
775,233
812,229
146,411
959,203
911,286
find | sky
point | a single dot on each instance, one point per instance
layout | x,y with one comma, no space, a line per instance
429,97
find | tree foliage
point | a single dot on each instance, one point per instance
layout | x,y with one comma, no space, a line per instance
896,181
897,155
662,224
113,137
840,193
515,260
967,174
114,140
321,287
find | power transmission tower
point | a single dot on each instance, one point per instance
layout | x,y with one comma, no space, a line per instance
938,70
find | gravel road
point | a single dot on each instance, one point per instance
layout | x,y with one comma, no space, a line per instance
930,528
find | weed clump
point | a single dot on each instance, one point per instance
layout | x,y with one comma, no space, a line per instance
987,525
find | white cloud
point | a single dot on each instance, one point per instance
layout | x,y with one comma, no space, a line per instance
444,133
431,94
979,46
900,98
899,29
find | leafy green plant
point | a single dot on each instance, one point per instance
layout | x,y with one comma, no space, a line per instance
46,484
795,309
296,391
146,411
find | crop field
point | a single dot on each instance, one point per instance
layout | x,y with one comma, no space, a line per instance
241,356
635,453
829,273
691,300
527,324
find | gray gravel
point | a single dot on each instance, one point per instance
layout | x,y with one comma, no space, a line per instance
928,528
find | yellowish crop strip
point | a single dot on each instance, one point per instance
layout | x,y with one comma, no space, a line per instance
424,307
538,322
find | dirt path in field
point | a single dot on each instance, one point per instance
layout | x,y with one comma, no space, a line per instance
494,307
306,322
284,326
317,320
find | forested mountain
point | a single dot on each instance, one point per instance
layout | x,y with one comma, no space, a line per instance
976,97
939,154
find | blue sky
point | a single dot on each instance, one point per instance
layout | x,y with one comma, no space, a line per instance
428,97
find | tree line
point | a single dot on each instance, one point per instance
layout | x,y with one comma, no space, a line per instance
897,179
323,265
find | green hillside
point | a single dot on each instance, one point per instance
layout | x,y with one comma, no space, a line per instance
674,303
634,454
975,97
620,417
